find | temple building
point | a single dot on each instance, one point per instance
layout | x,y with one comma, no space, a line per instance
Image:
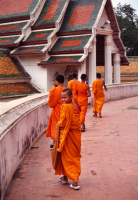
42,38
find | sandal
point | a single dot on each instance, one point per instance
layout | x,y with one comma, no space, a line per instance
51,146
63,182
75,187
83,130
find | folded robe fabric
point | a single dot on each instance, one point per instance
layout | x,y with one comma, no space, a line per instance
55,103
55,153
99,96
71,86
69,143
81,91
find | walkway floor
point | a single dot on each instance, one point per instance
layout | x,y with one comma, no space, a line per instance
109,161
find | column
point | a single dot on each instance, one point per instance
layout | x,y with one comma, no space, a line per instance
117,68
79,73
108,60
92,64
83,67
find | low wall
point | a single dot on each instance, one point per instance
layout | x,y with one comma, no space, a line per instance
22,121
120,91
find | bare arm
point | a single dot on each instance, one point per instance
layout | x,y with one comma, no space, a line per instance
88,92
104,86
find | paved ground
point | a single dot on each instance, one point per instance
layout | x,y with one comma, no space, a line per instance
109,161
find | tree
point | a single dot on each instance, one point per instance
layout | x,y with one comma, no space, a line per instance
128,24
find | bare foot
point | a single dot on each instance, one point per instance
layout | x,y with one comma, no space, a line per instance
100,116
95,115
64,178
75,183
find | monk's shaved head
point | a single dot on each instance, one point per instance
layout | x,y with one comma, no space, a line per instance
68,91
83,76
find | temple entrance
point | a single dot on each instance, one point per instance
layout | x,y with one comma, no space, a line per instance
68,73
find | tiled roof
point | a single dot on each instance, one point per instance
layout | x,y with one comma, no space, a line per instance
16,89
8,41
61,60
38,37
65,44
50,13
12,10
10,67
14,28
28,50
80,16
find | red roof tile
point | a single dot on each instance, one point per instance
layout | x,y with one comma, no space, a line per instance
79,13
9,28
13,88
70,43
2,41
14,6
52,9
26,50
40,36
64,59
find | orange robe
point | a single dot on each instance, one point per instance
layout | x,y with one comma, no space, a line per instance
55,103
81,91
97,89
71,86
69,143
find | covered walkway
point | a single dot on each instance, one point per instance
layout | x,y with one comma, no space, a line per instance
109,161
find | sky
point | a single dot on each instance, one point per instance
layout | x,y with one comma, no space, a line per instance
133,3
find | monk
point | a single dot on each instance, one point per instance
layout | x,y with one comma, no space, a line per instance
97,89
71,86
69,142
55,103
83,92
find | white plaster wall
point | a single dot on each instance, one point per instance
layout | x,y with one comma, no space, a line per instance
37,73
51,70
102,21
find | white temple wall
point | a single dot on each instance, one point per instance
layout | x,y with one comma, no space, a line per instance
51,70
102,21
37,73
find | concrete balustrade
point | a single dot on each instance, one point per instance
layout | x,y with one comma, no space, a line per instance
22,121
120,91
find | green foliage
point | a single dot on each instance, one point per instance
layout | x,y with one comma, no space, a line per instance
128,24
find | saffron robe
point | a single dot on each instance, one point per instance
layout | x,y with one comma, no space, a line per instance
71,86
69,143
81,91
55,103
97,89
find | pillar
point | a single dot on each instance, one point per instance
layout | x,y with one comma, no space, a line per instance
82,69
92,64
116,68
108,60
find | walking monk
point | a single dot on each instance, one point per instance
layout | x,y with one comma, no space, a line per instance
55,103
83,92
71,86
68,163
97,89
